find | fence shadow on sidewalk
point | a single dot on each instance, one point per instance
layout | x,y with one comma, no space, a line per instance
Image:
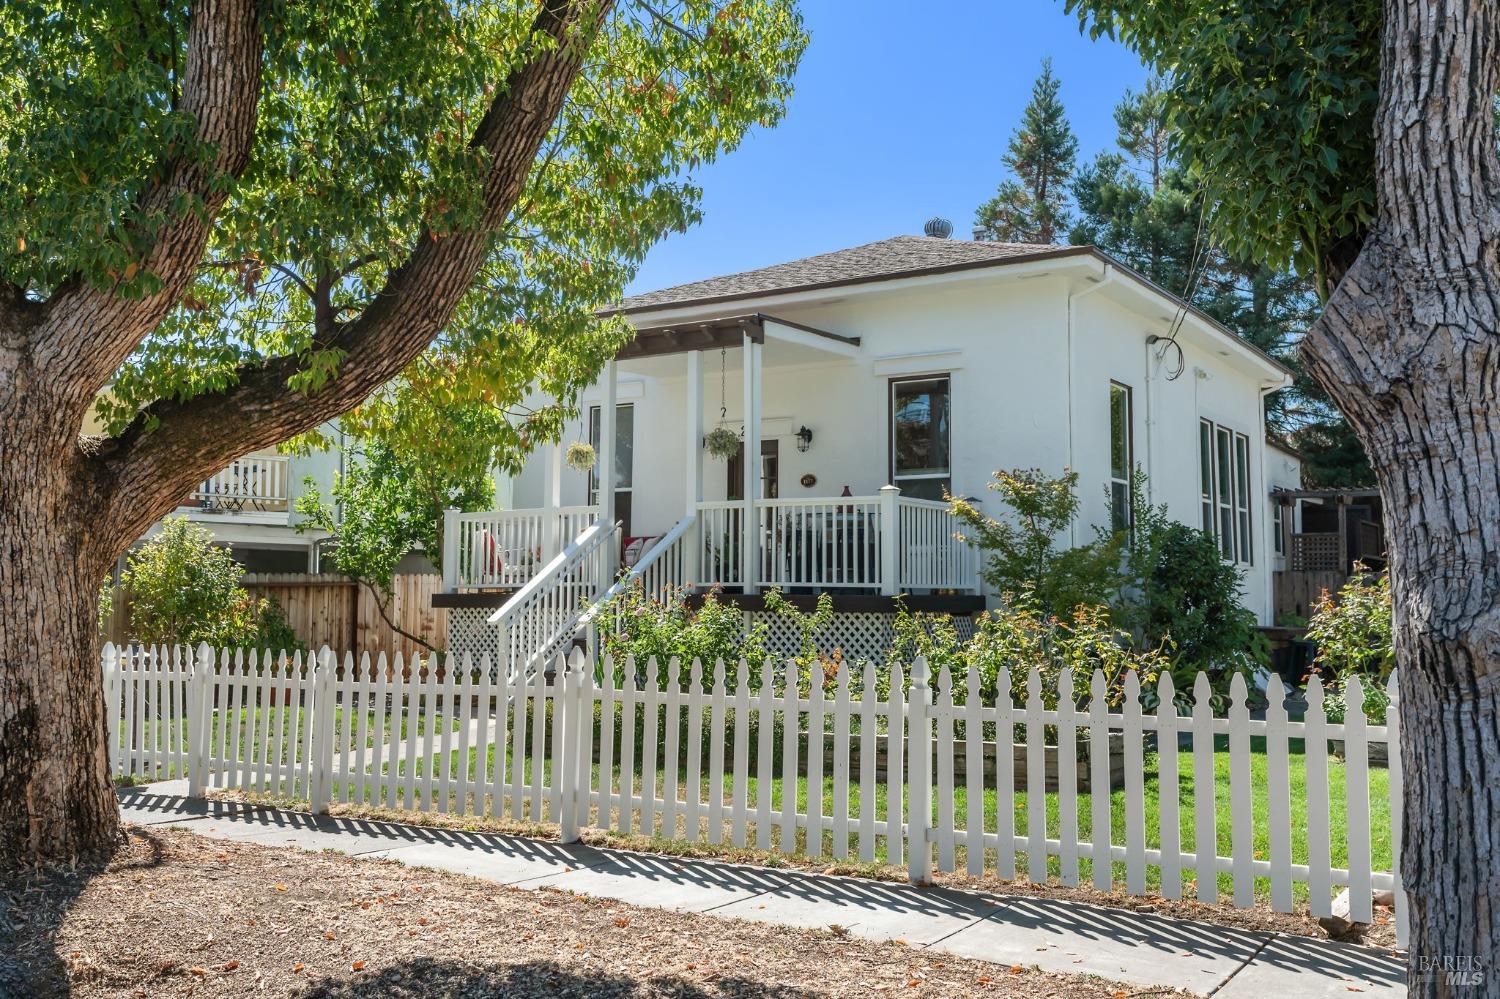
419,977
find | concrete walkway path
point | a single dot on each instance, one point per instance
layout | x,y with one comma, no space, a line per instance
1056,935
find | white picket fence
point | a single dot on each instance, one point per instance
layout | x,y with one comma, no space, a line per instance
683,752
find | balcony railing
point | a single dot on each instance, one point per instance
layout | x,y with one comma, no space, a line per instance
880,544
503,549
256,484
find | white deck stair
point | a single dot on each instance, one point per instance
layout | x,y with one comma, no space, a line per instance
543,617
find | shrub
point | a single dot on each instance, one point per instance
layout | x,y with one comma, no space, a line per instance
1353,633
639,626
1020,550
1020,637
1183,596
1168,589
185,589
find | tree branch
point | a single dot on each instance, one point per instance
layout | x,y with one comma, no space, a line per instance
148,469
87,332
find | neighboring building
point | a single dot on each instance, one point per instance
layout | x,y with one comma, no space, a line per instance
1283,474
250,505
920,363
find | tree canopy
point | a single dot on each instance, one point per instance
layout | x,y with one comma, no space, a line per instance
364,143
237,220
1272,110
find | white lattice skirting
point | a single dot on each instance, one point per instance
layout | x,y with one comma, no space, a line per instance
855,636
470,633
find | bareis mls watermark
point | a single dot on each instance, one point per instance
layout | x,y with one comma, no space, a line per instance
1457,970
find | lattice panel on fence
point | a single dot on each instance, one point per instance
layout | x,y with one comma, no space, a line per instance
867,765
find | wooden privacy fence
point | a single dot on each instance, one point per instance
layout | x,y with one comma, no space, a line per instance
928,773
333,610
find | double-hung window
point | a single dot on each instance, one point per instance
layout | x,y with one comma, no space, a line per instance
920,415
1224,488
1121,459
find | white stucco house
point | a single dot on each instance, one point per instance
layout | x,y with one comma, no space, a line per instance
870,381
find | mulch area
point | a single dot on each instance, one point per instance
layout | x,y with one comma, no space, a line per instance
174,914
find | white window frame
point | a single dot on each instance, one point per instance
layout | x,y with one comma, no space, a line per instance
1225,487
891,384
596,410
1114,480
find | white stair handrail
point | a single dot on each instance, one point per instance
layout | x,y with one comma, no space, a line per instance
546,610
638,571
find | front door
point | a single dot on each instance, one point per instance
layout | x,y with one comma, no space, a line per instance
770,482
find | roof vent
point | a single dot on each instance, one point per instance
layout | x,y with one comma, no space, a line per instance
938,228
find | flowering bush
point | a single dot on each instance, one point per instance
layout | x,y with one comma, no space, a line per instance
640,626
1019,636
1352,630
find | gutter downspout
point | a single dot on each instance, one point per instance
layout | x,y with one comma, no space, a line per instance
1105,276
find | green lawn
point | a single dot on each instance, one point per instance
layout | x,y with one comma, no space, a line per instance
1378,791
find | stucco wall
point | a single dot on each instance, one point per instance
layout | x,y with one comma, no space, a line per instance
1021,397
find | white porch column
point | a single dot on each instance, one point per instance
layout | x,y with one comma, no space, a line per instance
607,444
751,547
607,414
693,467
552,501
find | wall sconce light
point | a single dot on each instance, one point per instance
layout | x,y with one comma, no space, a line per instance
804,439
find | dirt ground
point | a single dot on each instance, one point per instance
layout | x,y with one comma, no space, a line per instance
174,914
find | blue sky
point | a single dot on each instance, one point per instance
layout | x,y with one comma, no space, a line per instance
901,112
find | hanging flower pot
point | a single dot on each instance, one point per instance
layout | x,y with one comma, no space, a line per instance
722,443
581,457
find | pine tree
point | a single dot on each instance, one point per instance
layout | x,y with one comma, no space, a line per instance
1032,205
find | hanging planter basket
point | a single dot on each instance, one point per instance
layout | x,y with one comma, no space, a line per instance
722,443
581,457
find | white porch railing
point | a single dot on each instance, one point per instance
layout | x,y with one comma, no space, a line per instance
933,556
661,567
543,617
506,548
253,484
721,547
822,543
885,542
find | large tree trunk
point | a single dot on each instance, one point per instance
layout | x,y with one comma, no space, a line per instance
69,508
1409,348
55,796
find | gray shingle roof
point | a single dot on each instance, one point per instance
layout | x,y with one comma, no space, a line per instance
898,256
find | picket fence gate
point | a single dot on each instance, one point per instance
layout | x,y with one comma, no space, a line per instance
682,752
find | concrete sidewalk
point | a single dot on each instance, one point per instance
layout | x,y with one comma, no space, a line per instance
1061,936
